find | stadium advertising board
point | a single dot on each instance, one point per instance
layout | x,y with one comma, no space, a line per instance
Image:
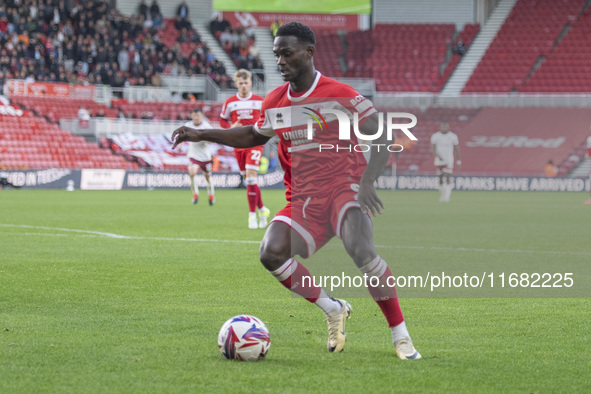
53,178
181,180
90,179
97,179
49,89
484,183
519,141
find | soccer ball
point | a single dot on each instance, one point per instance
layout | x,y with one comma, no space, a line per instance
244,338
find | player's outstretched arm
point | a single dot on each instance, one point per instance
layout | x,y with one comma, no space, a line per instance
239,137
368,198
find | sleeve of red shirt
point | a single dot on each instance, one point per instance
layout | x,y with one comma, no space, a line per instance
354,102
224,123
263,125
225,117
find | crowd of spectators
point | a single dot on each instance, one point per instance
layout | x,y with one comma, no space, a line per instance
239,43
89,41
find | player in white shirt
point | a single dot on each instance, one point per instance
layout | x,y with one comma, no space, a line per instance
444,144
200,157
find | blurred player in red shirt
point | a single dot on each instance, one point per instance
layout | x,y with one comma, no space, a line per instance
329,192
243,109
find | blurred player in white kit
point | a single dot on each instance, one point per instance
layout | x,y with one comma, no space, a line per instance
444,145
200,157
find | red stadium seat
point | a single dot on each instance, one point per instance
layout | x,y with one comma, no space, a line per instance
529,32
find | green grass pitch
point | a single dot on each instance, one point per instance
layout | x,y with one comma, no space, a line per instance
90,311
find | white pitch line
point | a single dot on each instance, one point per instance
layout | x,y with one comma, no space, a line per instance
111,235
119,236
88,233
45,234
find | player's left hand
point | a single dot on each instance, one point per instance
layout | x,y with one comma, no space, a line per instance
368,199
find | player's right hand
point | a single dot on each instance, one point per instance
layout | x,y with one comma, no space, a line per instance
368,198
236,124
183,134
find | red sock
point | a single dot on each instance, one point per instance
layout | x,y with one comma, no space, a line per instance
259,198
384,295
251,195
291,275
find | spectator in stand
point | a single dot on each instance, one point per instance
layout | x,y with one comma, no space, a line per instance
550,170
210,58
183,11
226,36
253,51
123,59
143,8
194,36
179,24
147,23
154,9
176,97
156,80
184,36
218,25
275,26
158,21
83,117
460,48
3,26
79,50
68,29
249,30
243,51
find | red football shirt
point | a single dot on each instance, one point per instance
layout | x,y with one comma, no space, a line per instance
246,110
310,171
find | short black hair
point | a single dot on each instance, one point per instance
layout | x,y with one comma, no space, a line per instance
197,110
304,34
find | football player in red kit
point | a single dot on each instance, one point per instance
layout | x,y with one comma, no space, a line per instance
244,109
329,192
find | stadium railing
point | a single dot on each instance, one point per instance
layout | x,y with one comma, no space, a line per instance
142,93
